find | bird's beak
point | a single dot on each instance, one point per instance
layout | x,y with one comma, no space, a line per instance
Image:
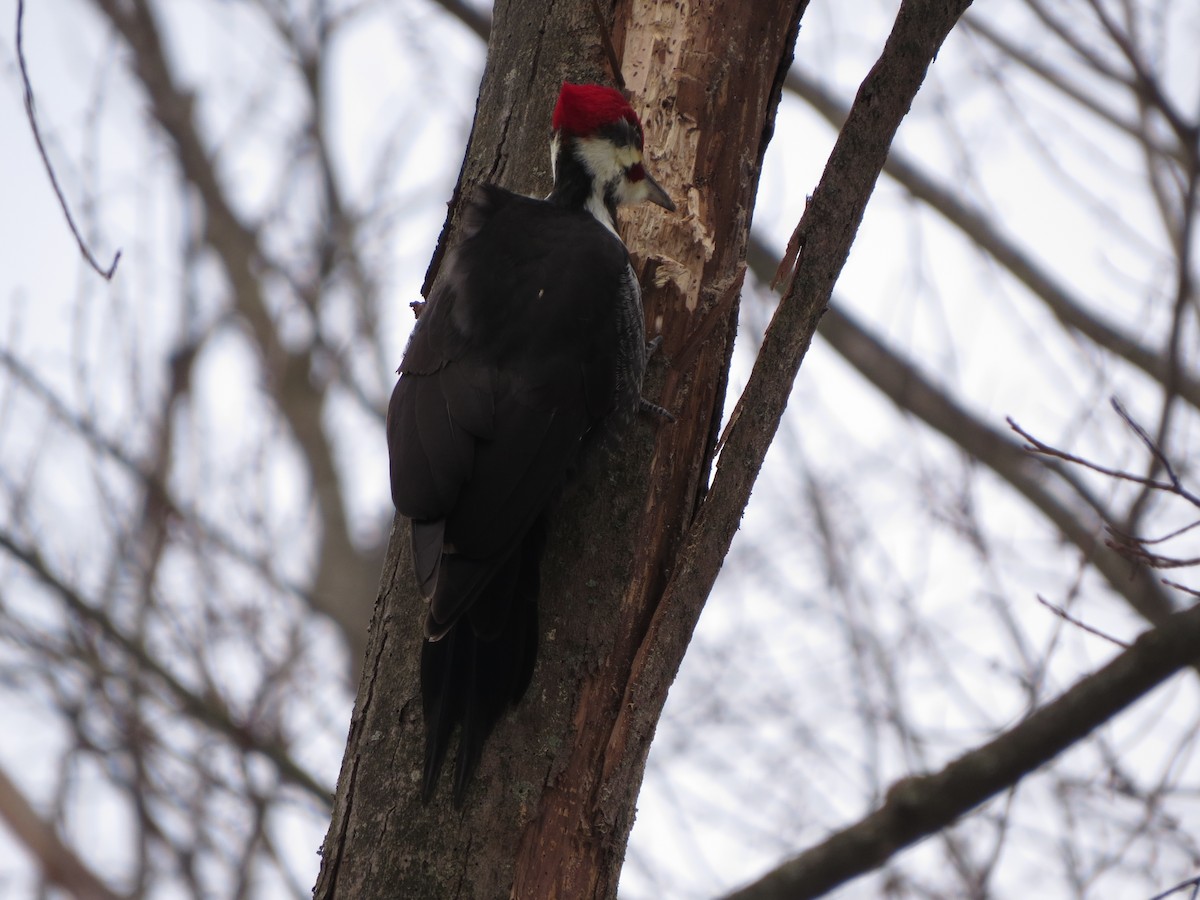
656,194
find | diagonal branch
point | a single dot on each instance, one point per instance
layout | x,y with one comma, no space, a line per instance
59,865
828,228
1144,83
1173,484
1078,46
149,480
901,382
1067,308
1059,81
923,805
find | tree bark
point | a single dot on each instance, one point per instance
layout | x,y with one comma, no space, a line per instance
552,804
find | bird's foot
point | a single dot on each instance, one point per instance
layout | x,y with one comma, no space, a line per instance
655,410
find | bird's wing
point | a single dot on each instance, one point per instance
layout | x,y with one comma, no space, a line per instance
507,370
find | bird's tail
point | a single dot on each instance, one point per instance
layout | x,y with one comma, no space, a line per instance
482,664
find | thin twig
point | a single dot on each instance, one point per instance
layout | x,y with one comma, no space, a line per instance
1134,539
1036,446
921,805
1193,883
1134,552
1128,545
1067,617
1181,587
107,274
209,709
1176,485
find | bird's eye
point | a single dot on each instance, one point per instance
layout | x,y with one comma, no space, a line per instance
636,172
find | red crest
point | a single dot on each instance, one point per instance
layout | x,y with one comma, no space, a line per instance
584,108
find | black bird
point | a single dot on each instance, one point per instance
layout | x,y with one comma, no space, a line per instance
533,338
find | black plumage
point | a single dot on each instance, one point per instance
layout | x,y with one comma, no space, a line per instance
532,340
511,367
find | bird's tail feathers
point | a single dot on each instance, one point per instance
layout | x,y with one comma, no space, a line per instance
481,665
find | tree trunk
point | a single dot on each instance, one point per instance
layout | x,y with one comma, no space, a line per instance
552,804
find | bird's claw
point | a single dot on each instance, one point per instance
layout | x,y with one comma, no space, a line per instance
655,410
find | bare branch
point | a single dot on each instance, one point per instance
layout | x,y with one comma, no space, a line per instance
1144,83
1190,883
1037,446
345,580
1128,545
1036,64
108,273
1182,587
924,804
902,382
1067,617
207,709
151,482
1135,551
58,863
829,224
1067,307
1085,53
1173,486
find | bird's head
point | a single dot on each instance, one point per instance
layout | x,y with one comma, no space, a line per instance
596,152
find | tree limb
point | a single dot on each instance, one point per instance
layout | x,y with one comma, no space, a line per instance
59,865
828,227
901,382
922,805
1065,307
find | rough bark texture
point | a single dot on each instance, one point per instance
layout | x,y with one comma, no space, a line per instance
708,80
553,801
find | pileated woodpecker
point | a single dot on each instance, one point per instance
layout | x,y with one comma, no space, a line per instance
533,337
